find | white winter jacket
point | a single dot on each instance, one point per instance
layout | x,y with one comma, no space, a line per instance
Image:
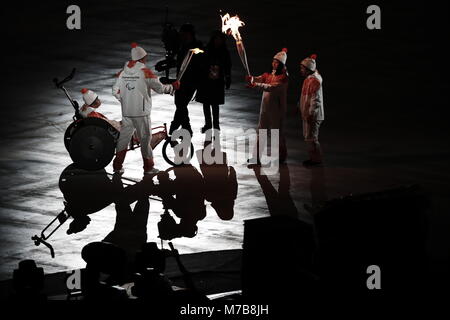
311,100
133,89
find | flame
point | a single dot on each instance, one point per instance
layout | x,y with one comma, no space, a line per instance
231,25
197,51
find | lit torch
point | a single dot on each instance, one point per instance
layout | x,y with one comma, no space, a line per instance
187,60
230,25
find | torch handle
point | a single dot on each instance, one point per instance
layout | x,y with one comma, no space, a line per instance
184,65
243,55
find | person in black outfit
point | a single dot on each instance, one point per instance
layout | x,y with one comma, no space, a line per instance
215,78
190,78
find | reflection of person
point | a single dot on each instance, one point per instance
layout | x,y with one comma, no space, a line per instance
90,192
133,90
317,186
215,78
191,78
85,193
130,229
185,196
220,182
279,202
273,105
311,107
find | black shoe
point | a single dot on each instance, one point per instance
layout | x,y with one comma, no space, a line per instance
252,163
173,144
205,128
310,163
173,129
173,126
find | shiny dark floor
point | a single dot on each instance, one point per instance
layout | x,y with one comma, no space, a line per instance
376,134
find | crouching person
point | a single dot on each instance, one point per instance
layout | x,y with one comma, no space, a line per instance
133,89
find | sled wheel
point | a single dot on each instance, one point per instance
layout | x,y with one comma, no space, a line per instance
92,148
69,133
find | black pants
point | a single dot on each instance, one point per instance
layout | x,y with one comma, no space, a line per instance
181,116
215,115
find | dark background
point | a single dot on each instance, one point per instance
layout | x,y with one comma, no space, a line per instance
385,90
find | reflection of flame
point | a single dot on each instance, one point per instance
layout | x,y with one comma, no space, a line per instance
197,51
231,25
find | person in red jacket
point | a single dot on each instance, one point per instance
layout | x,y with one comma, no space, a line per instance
91,103
311,108
274,85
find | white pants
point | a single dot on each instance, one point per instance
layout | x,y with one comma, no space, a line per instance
143,132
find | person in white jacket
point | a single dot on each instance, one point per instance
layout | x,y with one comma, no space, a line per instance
311,108
133,89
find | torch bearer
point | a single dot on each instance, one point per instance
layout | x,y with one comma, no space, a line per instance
186,61
230,25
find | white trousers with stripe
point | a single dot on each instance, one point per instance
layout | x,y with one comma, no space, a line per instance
142,125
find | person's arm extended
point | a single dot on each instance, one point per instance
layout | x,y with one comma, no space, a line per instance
154,83
259,79
271,86
157,86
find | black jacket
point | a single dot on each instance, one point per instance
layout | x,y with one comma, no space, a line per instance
216,69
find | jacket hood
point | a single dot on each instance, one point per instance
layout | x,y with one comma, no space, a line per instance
133,67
